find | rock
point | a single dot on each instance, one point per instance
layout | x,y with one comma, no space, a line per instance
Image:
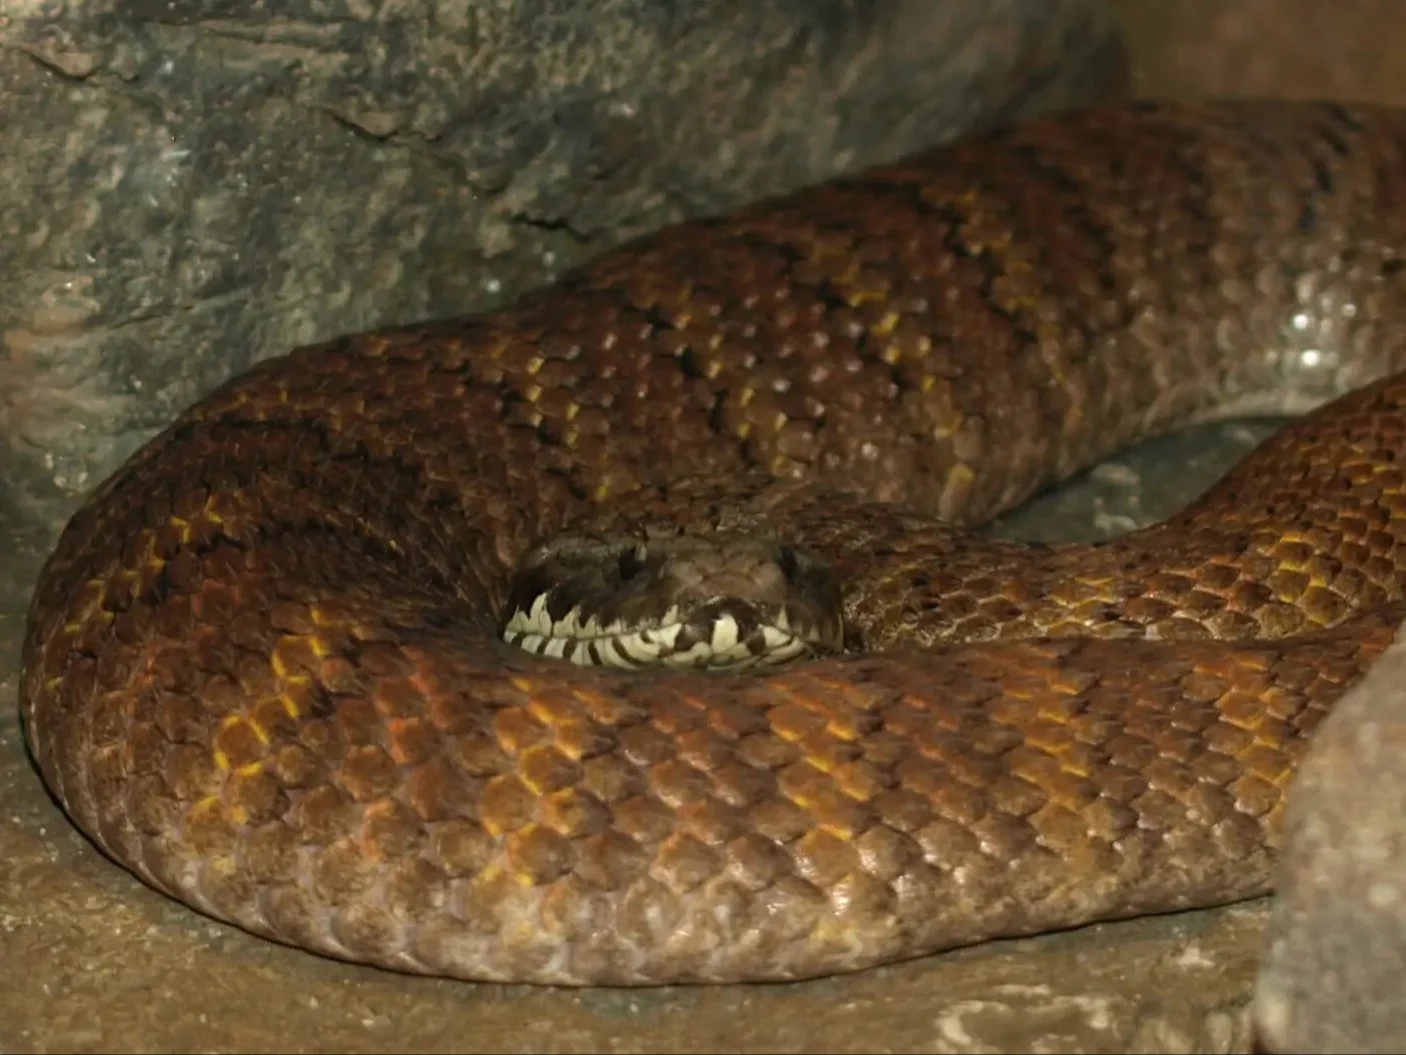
1336,951
188,187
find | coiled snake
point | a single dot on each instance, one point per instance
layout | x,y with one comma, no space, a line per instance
264,667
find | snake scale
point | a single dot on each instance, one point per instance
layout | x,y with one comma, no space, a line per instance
263,668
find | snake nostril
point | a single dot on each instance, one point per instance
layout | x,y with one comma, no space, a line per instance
632,562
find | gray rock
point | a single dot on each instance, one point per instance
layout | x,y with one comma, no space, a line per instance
188,187
1331,976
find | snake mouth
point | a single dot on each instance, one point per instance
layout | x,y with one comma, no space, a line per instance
683,603
722,634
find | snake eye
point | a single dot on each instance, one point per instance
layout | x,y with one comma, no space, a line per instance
786,560
631,562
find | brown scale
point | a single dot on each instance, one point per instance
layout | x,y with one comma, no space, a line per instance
262,672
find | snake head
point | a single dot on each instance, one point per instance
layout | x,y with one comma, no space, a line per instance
707,603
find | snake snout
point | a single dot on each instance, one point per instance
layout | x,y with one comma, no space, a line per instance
711,603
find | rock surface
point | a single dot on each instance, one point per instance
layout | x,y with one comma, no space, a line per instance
1330,977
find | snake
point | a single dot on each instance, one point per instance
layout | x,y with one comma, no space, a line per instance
644,629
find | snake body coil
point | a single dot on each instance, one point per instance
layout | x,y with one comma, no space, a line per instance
264,670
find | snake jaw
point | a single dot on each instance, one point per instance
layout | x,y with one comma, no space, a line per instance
702,604
725,633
